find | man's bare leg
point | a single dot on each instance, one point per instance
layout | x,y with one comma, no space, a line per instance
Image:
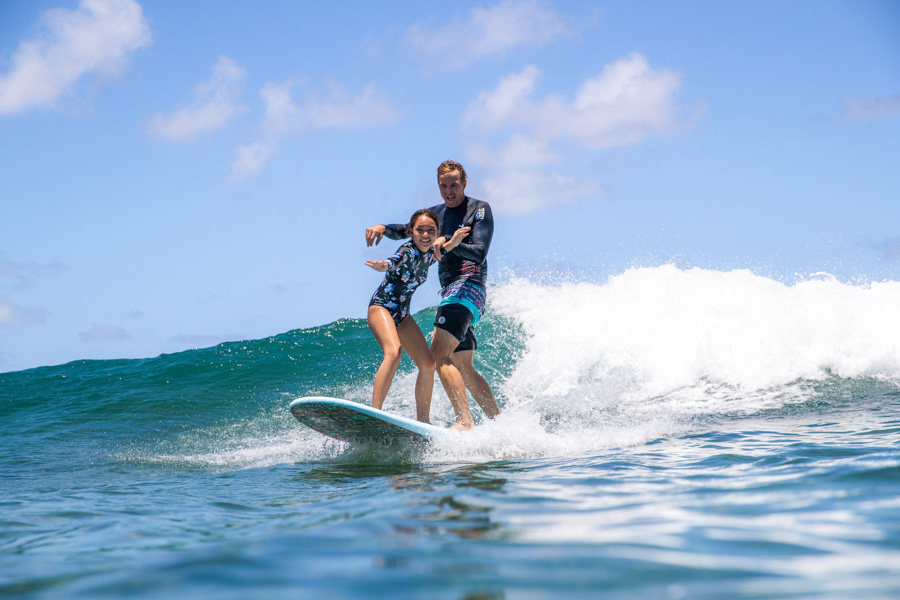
475,383
442,346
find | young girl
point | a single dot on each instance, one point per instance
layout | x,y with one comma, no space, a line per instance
389,319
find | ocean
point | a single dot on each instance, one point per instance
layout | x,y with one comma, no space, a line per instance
666,433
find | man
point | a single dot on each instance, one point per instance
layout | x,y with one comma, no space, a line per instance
463,275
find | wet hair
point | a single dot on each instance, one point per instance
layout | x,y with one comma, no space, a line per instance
426,212
449,166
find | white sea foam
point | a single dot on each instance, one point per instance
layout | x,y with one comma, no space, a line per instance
650,332
659,352
650,353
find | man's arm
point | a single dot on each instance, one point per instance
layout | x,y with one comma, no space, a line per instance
476,249
442,244
396,231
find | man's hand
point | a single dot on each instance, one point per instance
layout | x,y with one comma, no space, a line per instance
442,244
374,234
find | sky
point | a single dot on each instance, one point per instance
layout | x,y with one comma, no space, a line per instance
178,174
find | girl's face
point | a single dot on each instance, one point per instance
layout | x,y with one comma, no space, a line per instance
424,232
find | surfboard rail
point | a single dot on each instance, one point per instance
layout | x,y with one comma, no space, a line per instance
353,422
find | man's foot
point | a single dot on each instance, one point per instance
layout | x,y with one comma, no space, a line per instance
462,426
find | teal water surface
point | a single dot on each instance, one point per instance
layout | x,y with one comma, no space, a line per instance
185,475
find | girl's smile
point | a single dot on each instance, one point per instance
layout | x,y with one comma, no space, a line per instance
424,233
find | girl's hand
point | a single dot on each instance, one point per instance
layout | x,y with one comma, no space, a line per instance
378,265
436,247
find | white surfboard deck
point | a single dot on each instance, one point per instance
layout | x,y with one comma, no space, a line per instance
354,422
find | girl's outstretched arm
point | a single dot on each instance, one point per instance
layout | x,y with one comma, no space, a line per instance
378,265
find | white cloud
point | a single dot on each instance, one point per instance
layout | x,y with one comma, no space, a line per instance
873,108
216,101
23,276
103,332
202,340
13,316
286,117
518,191
627,102
513,137
889,248
484,33
98,36
26,274
336,109
252,159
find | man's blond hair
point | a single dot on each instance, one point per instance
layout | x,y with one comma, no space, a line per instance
448,166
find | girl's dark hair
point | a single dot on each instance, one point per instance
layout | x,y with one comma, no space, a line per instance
428,213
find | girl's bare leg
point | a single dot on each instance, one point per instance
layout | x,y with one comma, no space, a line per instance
413,341
385,332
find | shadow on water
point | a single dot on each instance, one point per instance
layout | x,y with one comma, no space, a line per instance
418,499
421,516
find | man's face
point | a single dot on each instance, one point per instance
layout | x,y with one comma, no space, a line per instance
453,189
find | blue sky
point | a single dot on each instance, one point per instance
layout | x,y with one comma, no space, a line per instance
177,174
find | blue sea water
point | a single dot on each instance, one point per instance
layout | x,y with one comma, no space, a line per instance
666,433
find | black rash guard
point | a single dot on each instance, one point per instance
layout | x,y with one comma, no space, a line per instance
468,261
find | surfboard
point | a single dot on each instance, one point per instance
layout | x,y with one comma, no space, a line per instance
354,422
